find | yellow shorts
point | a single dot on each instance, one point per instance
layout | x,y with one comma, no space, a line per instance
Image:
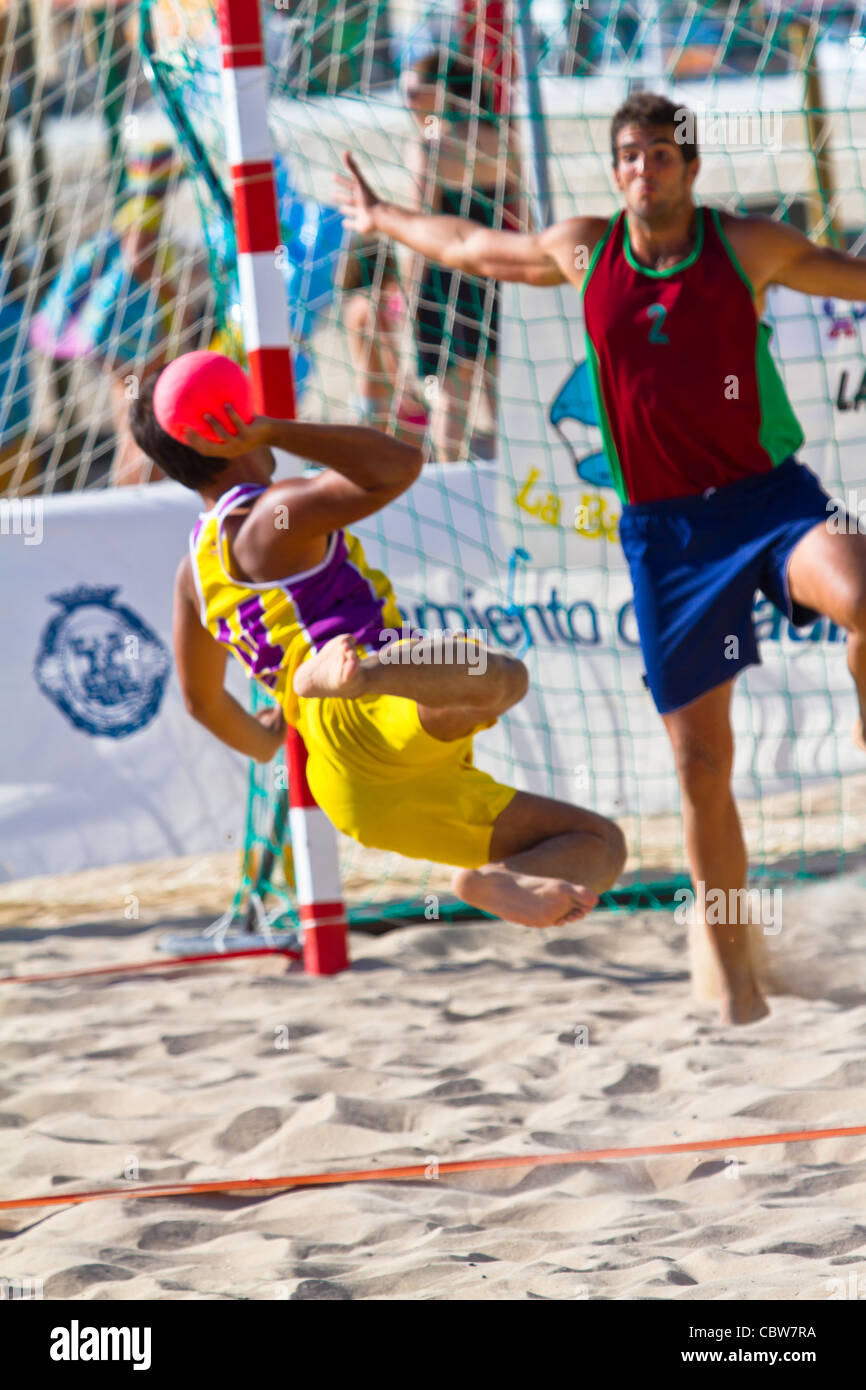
381,778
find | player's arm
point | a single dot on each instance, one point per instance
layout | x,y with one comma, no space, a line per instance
781,255
423,191
515,194
364,470
547,257
201,665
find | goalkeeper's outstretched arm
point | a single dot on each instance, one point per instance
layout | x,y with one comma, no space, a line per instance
549,257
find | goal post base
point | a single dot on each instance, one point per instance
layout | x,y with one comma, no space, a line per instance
326,947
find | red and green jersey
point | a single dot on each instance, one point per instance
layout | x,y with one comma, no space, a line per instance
688,394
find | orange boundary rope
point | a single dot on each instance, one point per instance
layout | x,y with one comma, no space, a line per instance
420,1170
169,963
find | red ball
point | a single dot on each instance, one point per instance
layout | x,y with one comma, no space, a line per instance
197,384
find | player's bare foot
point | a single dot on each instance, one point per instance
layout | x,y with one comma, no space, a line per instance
545,902
737,991
744,1005
552,902
858,735
523,898
335,671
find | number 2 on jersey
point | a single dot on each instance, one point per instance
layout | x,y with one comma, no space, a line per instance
658,314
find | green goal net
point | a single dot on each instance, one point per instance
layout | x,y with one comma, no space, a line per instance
502,112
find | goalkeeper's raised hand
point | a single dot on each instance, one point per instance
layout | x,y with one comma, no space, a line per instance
358,199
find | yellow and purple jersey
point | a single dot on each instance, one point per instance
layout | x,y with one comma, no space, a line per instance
271,627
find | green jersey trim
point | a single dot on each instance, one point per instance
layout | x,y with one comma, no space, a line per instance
732,255
604,422
780,433
595,376
599,247
672,269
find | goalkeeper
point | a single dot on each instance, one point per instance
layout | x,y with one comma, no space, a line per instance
701,441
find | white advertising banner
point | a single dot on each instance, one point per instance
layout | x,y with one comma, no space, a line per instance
101,762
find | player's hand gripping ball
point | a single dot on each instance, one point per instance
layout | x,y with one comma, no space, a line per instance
199,384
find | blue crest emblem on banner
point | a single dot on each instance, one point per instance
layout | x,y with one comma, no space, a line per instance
100,663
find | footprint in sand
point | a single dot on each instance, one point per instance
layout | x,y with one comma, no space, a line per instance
634,1080
249,1129
386,1117
124,1256
674,1276
790,1107
320,1290
70,1282
178,1043
818,1183
843,1245
176,1235
709,1169
113,1054
460,1086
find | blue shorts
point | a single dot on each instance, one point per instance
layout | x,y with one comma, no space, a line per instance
696,563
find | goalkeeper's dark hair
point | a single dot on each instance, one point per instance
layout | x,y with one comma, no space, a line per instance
176,460
649,109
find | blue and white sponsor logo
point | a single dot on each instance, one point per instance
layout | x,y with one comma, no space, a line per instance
575,401
100,663
844,319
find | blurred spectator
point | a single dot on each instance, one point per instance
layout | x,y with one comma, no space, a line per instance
311,243
116,303
374,314
308,257
16,470
324,47
464,164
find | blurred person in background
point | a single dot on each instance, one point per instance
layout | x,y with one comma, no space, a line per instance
374,315
116,302
17,466
463,164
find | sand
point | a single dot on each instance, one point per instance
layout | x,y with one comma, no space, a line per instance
440,1043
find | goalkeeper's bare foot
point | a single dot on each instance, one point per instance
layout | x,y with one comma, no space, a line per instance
745,1004
334,671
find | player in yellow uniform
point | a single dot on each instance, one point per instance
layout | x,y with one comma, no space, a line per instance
273,577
